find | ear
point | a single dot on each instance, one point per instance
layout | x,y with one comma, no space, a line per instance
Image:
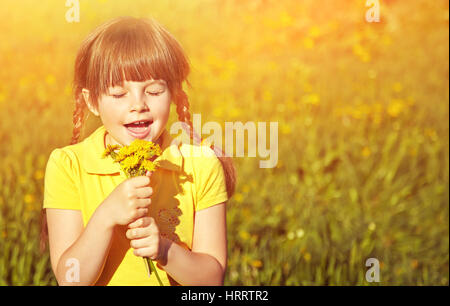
91,107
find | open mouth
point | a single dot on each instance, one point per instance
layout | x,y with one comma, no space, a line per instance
139,129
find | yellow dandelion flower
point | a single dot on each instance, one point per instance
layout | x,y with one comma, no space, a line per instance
28,198
308,43
286,19
134,159
123,153
314,31
138,144
39,174
130,162
285,129
2,96
361,52
365,152
312,99
307,257
147,165
278,208
239,197
50,79
109,150
267,95
246,188
244,235
395,108
300,233
397,87
256,263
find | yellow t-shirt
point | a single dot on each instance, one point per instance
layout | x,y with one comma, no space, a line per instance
190,178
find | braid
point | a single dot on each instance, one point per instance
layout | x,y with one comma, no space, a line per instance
78,119
184,116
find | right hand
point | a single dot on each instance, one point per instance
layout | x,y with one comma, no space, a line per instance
129,201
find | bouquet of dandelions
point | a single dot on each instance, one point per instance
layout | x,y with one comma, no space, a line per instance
135,160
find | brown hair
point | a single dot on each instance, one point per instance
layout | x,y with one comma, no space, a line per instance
135,50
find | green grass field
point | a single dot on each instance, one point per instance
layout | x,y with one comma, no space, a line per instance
363,113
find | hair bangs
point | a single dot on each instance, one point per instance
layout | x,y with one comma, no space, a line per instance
135,50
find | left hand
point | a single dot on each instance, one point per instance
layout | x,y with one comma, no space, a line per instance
145,239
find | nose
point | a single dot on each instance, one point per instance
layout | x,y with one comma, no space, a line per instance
138,103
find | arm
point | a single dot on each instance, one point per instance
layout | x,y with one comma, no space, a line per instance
206,263
68,240
90,246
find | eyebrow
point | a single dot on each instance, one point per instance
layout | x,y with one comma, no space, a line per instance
160,82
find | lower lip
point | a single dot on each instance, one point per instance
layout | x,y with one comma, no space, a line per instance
140,135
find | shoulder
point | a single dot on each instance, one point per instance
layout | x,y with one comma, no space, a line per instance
67,157
199,157
202,162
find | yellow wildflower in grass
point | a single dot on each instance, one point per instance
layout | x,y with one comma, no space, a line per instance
307,257
245,188
50,79
414,263
256,263
312,99
361,52
285,129
314,31
397,87
365,152
28,198
300,233
239,198
2,96
396,107
39,174
308,43
136,160
244,235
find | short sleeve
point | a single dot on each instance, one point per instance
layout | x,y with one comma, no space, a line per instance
211,185
60,189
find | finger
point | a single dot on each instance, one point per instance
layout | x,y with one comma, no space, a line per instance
148,173
141,212
143,203
141,181
150,252
141,222
144,192
137,233
140,243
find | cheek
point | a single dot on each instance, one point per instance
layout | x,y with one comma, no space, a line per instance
162,107
110,112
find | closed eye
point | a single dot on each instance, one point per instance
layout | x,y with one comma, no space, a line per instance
118,96
154,93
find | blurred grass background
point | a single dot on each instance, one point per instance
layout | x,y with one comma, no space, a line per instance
363,112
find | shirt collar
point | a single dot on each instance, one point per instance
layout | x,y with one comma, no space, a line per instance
170,159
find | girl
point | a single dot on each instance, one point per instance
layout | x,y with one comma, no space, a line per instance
100,223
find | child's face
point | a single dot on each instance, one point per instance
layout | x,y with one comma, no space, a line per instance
147,101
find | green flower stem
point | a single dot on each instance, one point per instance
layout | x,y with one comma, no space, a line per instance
151,268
